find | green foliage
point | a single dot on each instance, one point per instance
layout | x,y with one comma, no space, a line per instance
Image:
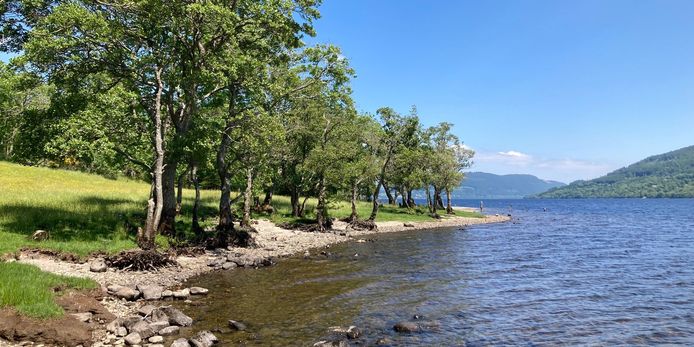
34,294
669,175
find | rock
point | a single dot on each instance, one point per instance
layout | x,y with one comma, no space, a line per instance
383,341
204,339
114,325
408,225
155,339
83,317
181,294
122,292
238,326
146,310
229,265
40,235
128,322
172,330
176,317
142,328
98,265
121,331
158,315
338,343
158,326
133,339
155,345
307,254
166,294
407,327
150,292
199,291
180,343
353,332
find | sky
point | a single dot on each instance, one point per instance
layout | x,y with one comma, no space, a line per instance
563,90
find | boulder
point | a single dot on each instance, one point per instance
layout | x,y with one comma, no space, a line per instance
407,327
216,262
229,265
172,330
122,292
146,310
158,315
158,326
353,332
83,317
114,325
336,343
98,265
150,292
198,291
166,294
156,339
133,339
181,294
142,328
180,343
238,326
176,317
204,339
121,331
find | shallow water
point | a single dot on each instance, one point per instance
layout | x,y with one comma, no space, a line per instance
586,272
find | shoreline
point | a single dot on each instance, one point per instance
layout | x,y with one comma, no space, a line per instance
273,243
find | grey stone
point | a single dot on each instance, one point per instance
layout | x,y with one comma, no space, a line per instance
238,326
216,262
353,332
229,265
143,329
158,315
176,317
115,324
98,265
151,292
407,327
121,331
155,339
146,310
155,345
82,317
181,294
180,343
166,294
133,339
128,322
204,339
338,343
123,292
172,330
199,291
158,326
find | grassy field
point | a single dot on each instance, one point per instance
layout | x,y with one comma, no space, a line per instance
34,294
88,213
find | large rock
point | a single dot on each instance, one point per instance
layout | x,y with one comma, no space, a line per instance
133,339
142,328
146,310
407,327
114,325
156,339
121,331
176,317
158,326
123,292
166,294
181,294
338,343
353,332
229,265
180,343
98,265
152,292
204,339
198,291
172,330
158,315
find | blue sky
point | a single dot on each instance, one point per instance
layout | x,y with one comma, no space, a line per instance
561,89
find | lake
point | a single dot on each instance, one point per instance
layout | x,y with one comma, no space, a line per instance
583,272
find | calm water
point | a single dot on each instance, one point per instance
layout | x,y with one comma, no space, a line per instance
586,272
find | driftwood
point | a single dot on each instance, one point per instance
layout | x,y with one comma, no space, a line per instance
140,260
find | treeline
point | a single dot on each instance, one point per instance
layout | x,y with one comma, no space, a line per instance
214,94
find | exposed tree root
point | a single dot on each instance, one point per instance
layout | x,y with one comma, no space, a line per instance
312,227
140,260
363,225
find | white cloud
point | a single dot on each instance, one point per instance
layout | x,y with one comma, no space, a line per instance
514,154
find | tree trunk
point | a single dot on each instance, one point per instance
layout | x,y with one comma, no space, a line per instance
302,208
295,202
247,196
449,208
154,205
430,203
438,202
410,201
321,208
179,192
374,209
354,216
226,218
196,205
391,200
268,198
167,225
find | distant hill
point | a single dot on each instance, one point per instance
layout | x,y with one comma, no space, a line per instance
481,185
669,175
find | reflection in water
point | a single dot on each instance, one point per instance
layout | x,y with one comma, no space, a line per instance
588,272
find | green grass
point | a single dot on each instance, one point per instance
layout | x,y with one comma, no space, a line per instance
31,291
87,213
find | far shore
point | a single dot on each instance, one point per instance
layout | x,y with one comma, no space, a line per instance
273,243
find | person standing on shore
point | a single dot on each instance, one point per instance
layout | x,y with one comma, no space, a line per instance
481,206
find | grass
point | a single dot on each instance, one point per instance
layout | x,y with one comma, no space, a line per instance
87,213
34,294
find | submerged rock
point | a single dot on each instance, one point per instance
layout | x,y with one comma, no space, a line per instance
337,343
204,339
199,291
407,327
238,326
353,332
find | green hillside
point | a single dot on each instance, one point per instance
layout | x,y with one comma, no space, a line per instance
669,175
482,185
